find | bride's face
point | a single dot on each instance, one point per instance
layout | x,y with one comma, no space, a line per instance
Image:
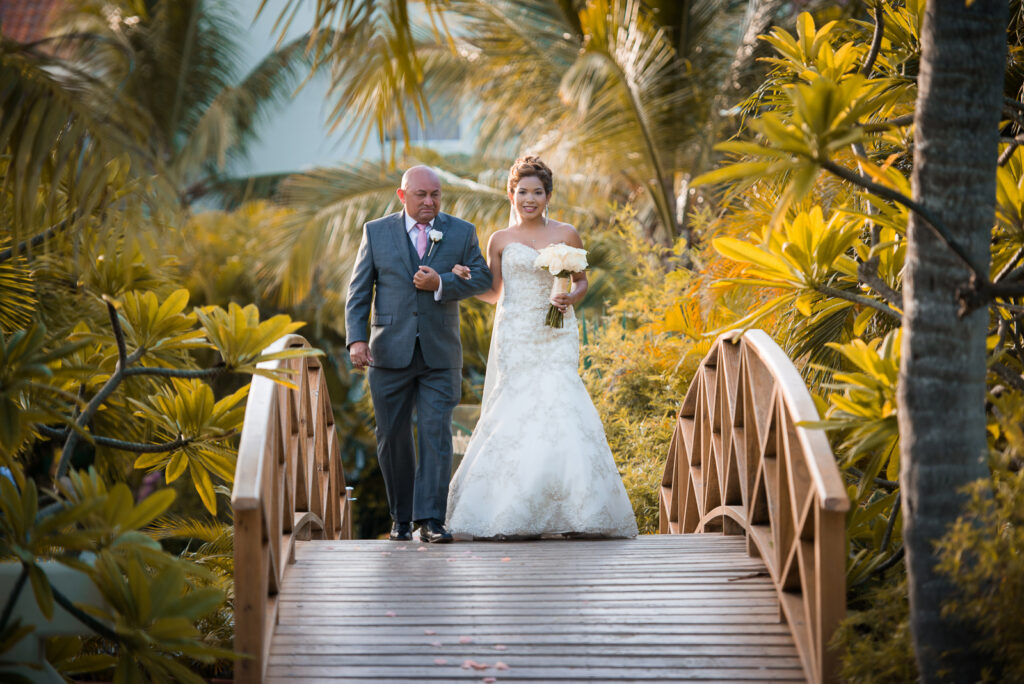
529,198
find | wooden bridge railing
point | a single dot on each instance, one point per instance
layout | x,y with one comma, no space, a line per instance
739,463
289,485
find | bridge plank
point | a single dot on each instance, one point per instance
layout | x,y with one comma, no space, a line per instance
682,608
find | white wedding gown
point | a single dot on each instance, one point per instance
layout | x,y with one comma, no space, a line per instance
538,461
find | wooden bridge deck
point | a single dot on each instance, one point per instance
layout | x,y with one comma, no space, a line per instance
666,608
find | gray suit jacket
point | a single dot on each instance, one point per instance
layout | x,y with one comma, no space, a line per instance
382,276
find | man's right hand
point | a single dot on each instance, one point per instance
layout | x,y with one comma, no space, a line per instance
359,353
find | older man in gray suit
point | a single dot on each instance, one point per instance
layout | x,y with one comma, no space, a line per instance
414,351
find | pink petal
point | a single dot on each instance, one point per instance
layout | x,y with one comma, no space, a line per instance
500,666
391,613
440,661
385,553
452,560
478,666
421,548
500,647
430,632
506,559
491,680
465,640
401,548
436,644
466,664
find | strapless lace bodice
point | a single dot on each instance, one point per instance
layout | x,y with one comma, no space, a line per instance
538,461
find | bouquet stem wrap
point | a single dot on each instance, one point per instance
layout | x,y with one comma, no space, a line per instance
561,285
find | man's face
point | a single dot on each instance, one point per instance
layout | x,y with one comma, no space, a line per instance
421,195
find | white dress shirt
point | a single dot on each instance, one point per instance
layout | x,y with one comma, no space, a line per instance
413,233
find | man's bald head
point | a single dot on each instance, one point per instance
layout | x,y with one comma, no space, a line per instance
419,174
421,193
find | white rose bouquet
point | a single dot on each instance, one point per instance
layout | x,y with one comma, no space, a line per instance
562,260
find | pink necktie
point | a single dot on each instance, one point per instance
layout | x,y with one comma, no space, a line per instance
421,239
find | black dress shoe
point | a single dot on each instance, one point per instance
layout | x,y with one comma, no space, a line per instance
401,531
433,532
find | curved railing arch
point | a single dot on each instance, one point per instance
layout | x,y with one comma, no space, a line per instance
741,463
289,485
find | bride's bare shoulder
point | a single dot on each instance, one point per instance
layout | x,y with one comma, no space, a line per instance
498,240
568,234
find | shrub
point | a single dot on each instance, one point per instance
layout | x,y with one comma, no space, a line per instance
983,553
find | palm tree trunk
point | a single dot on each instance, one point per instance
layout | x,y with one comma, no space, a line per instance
942,375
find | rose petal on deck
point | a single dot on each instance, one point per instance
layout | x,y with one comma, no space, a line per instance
385,553
436,644
500,666
500,647
490,680
506,559
391,613
421,548
430,632
452,560
465,640
440,661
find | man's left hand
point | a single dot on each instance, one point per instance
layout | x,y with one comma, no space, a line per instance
426,279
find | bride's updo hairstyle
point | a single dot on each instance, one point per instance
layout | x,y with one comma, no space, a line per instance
530,166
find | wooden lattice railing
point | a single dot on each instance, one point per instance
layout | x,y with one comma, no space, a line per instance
740,463
289,485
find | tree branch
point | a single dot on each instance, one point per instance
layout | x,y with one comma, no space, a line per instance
141,447
1007,374
888,193
1007,153
876,41
1007,272
177,372
867,272
883,483
878,126
12,598
1019,106
858,299
108,388
83,617
887,537
34,241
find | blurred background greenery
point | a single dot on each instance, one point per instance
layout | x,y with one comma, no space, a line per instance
233,150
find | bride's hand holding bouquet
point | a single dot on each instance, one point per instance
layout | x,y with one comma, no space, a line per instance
562,261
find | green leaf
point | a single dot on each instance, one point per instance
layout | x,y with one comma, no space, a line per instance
41,590
149,509
204,486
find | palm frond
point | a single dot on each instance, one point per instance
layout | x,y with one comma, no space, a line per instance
231,118
18,302
70,142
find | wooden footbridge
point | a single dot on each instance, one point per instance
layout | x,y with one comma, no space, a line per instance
746,581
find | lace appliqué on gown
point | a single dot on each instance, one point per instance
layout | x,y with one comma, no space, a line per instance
538,461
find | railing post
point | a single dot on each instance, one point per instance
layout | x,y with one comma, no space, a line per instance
251,574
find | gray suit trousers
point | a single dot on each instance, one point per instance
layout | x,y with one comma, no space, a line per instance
416,490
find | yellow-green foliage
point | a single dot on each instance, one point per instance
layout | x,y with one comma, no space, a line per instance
983,554
639,363
876,639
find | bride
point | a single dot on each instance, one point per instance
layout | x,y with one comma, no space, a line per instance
538,461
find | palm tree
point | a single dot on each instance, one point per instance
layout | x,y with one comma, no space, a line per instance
941,391
615,91
179,62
